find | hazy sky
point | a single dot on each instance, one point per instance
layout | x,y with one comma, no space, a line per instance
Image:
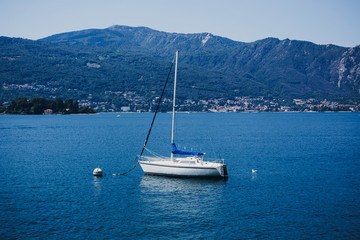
318,21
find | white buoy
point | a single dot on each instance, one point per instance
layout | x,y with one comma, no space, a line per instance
253,170
98,172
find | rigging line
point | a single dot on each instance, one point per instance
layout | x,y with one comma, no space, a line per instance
152,123
212,146
157,108
155,154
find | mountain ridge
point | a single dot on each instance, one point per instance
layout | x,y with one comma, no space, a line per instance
123,58
286,62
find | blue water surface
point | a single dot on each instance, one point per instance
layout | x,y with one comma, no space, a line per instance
307,184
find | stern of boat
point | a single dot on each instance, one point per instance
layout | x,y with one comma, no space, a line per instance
223,171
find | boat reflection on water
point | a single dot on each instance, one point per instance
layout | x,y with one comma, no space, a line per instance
161,184
181,202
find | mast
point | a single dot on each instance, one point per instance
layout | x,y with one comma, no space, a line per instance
173,113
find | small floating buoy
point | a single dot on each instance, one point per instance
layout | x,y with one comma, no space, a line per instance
253,170
98,172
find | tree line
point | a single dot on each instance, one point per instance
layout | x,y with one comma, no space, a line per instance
38,105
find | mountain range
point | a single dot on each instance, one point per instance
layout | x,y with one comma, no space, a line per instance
120,58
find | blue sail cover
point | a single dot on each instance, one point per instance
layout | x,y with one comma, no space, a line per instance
175,150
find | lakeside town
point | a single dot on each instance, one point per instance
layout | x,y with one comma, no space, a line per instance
132,102
238,104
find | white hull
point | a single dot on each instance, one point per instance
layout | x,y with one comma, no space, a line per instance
176,169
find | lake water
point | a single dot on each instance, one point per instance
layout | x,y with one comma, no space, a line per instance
307,184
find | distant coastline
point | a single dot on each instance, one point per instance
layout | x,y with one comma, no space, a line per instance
134,104
42,106
238,104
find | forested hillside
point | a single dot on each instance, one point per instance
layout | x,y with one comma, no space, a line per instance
92,63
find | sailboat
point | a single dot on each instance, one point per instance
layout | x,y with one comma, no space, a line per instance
181,163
